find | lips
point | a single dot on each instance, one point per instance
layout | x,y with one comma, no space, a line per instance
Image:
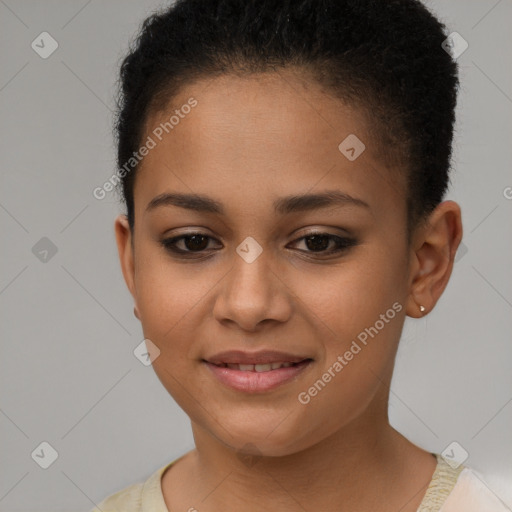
264,357
256,367
256,372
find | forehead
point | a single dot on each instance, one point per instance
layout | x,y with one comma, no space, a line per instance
257,135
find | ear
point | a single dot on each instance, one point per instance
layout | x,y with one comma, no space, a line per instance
433,251
126,256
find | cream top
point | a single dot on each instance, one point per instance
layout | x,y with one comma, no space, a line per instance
450,490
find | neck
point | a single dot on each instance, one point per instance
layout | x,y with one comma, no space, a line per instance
360,466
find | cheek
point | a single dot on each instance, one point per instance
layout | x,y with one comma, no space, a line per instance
169,298
345,299
357,310
359,321
168,291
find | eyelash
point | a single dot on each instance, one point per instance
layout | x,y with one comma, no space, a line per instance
343,244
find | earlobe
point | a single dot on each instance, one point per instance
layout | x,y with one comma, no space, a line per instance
434,248
125,250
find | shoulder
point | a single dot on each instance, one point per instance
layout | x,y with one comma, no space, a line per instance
128,499
139,497
472,494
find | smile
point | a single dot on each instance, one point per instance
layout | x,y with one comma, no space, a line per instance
256,367
257,378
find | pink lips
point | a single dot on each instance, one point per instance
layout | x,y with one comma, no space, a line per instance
252,380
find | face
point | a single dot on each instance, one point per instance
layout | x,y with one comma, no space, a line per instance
267,266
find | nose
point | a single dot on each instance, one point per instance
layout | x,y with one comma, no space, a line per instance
253,294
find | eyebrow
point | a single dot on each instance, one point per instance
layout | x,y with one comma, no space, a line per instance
284,205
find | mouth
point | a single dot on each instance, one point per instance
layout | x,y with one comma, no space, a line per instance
256,373
260,368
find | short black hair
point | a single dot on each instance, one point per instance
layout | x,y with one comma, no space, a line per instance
382,55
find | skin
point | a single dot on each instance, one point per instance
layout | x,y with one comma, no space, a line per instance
248,142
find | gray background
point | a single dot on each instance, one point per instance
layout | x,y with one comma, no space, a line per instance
68,373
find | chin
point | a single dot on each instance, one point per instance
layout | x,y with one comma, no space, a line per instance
264,442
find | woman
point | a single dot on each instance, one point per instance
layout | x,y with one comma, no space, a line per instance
283,166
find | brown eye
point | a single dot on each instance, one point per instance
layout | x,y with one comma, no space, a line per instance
196,242
320,243
191,243
315,243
